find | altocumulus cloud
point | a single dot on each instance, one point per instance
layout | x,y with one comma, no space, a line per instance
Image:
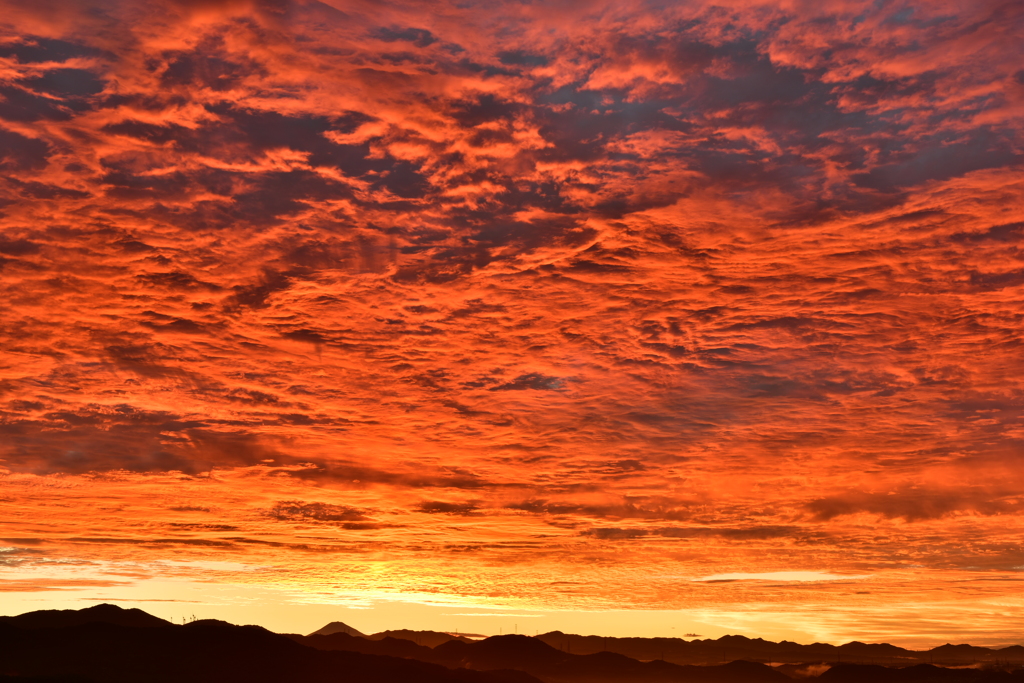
525,284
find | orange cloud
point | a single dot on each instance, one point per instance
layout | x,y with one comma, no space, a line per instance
376,298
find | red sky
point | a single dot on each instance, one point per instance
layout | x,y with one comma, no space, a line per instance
399,311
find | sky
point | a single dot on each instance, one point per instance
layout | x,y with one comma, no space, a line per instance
625,318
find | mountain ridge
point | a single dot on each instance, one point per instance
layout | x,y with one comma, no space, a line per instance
109,644
207,651
730,647
103,613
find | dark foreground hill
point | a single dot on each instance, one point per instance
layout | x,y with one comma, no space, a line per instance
919,673
98,651
106,644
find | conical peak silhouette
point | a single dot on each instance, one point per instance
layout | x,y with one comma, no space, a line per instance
337,627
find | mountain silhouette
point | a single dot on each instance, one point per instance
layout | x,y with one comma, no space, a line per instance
43,679
539,659
201,652
733,647
428,638
108,644
551,665
561,658
919,673
390,647
98,614
337,627
554,666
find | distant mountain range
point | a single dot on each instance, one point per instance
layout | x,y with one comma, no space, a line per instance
703,652
728,648
546,663
108,644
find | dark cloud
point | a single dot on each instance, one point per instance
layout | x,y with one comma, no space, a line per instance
939,162
521,58
38,49
21,153
176,280
916,504
420,37
531,380
738,534
440,507
23,106
18,247
297,510
669,510
64,83
205,69
99,438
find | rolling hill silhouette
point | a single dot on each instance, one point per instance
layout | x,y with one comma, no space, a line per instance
108,644
729,648
919,673
390,647
549,664
427,638
105,614
553,666
101,650
696,652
